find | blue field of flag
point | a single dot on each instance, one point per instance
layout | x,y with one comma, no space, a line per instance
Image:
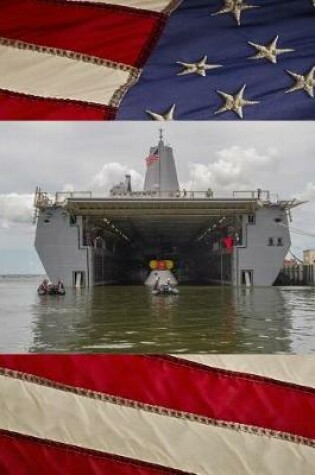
278,84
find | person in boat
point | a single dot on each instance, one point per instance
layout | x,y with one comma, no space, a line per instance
169,284
44,286
60,286
57,288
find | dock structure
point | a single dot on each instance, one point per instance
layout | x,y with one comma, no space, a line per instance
300,274
89,240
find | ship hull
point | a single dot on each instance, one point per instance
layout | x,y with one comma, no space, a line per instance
69,251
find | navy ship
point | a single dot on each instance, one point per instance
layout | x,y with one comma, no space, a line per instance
88,240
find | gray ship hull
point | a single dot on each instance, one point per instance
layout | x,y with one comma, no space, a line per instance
172,229
87,241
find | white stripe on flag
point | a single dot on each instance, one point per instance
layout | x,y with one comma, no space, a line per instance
46,75
151,5
53,414
296,369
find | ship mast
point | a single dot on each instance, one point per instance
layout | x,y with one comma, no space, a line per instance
161,143
161,173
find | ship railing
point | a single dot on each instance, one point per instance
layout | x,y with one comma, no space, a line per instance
44,199
263,195
164,194
62,196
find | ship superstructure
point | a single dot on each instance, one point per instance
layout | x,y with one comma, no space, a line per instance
88,240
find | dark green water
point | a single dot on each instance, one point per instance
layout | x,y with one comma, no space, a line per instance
130,319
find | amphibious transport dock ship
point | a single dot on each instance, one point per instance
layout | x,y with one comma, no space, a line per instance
90,240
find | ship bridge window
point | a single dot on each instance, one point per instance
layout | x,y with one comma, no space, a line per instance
279,241
251,219
271,242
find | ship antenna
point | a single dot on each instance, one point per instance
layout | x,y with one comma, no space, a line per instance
161,145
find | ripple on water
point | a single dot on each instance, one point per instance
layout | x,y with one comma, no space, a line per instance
128,319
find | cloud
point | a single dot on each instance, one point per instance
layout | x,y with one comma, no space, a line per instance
308,194
15,209
233,167
68,187
113,173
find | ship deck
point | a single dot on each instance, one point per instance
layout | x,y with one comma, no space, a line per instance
176,219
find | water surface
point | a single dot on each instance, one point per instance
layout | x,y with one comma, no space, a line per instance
129,319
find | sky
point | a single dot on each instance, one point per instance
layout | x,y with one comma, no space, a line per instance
224,156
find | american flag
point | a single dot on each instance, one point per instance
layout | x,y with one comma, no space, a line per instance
157,59
73,59
153,157
157,415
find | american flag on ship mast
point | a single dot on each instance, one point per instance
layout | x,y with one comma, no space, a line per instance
152,157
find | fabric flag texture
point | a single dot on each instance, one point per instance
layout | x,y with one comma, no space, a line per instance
152,158
157,59
151,415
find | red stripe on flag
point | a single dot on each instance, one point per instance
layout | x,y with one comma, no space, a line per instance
117,34
21,455
179,385
27,107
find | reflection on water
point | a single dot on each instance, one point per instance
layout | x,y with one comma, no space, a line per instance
130,319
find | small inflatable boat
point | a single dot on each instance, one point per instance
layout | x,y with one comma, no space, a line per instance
51,291
165,290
